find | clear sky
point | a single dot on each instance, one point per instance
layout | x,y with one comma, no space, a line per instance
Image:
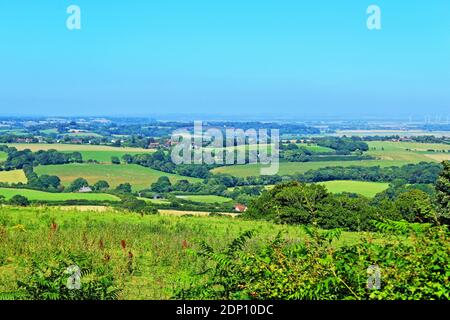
141,57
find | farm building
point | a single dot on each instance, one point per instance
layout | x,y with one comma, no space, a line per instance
240,207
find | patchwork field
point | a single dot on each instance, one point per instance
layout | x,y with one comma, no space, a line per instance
8,193
411,152
13,176
311,147
387,153
368,189
287,168
98,153
405,133
139,177
3,156
206,198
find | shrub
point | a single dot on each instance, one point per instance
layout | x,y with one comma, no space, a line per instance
48,279
19,200
316,270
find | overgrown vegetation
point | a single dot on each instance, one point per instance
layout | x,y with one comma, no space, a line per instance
315,270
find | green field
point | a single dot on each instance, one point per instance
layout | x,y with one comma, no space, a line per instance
315,148
288,168
49,131
246,147
13,176
8,193
16,132
139,177
3,156
101,154
155,201
206,198
83,134
365,188
368,189
161,263
105,156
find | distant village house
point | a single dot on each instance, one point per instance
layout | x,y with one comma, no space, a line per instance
240,207
85,189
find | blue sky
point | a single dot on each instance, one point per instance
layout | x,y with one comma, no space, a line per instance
275,57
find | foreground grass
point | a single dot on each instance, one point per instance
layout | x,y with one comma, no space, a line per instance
160,244
36,195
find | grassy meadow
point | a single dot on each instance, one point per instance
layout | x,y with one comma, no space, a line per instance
287,168
89,152
160,244
410,152
3,156
139,177
365,188
8,193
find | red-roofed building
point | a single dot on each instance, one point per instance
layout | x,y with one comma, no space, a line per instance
240,207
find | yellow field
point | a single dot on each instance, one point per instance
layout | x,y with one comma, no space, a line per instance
439,156
411,152
13,176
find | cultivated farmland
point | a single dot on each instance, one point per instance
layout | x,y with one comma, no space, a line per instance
89,152
387,153
287,168
139,177
13,176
